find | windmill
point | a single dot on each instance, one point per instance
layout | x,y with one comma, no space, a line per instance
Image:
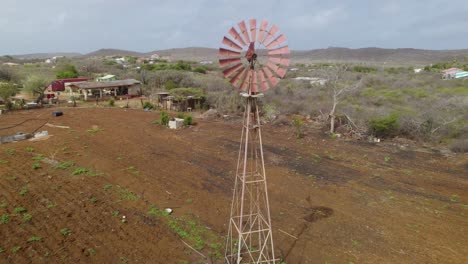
253,58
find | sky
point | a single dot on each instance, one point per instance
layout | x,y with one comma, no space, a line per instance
33,26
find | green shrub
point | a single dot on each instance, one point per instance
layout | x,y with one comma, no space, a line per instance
148,105
298,124
384,126
188,120
164,118
180,115
111,102
200,69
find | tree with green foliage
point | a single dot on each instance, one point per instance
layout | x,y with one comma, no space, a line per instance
7,90
36,85
384,126
66,71
169,85
200,69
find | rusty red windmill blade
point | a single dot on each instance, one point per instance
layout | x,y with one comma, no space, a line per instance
238,75
226,62
270,76
279,51
245,81
270,34
253,29
236,36
231,44
244,31
254,82
229,53
263,82
278,41
229,71
261,32
273,67
281,72
284,61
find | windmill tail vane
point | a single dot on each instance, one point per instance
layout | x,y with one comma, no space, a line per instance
250,236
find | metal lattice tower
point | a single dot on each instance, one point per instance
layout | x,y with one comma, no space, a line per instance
250,236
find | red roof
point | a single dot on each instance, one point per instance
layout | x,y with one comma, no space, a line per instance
59,85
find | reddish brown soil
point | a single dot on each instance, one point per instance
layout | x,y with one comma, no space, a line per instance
344,201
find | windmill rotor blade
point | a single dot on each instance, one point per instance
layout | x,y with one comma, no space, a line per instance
270,77
263,82
226,62
284,61
235,35
253,83
231,44
261,32
279,51
229,71
244,31
253,29
279,40
270,34
281,72
236,77
245,81
273,67
229,53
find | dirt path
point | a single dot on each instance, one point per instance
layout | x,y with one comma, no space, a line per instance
343,201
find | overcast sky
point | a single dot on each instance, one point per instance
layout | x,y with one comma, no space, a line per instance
31,26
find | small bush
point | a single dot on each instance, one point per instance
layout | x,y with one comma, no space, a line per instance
188,120
200,69
298,125
148,105
164,118
180,115
460,146
384,126
111,102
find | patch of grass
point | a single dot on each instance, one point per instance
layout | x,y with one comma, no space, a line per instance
93,200
126,194
36,166
2,250
116,213
355,242
90,252
94,130
38,157
14,250
27,217
3,161
3,205
10,151
107,187
24,190
387,159
4,219
189,200
51,205
119,158
65,231
79,171
64,165
29,149
35,239
455,198
19,210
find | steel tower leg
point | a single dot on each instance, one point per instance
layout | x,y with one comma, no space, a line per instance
250,238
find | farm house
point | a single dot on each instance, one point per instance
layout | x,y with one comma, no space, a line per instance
128,87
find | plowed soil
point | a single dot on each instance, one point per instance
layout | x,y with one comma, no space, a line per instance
95,193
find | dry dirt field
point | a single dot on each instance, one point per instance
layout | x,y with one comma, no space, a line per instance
95,193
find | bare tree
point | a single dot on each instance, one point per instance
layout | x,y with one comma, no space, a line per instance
339,84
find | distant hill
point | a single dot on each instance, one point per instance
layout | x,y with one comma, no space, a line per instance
333,54
45,55
114,52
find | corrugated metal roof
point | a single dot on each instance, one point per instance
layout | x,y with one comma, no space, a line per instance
109,84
